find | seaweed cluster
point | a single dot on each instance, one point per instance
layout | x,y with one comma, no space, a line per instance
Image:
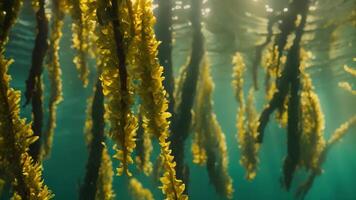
137,102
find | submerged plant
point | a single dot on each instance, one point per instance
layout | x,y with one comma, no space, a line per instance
346,85
34,85
138,191
16,165
247,121
54,72
209,138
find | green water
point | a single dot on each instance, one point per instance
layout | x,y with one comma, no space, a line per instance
65,169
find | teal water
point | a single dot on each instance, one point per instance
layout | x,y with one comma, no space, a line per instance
65,169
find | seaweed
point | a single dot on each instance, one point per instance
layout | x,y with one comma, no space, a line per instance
34,87
247,121
89,187
138,191
54,73
181,121
209,137
16,166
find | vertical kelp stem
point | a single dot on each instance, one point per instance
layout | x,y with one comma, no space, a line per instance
283,81
34,81
182,120
294,129
119,40
164,34
89,187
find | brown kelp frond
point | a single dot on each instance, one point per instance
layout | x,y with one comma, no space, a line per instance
138,192
247,121
178,85
154,100
34,87
143,149
83,16
237,77
39,51
312,123
88,125
347,86
89,187
338,134
54,72
341,131
172,187
104,187
117,86
349,70
15,138
209,136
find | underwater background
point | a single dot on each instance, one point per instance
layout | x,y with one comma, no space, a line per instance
242,25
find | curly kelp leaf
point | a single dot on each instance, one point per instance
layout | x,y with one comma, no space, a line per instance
16,136
154,101
83,26
104,187
346,85
138,192
117,86
247,121
211,139
54,72
143,149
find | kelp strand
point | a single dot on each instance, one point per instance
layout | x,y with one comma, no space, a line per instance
54,73
34,86
15,135
89,186
181,121
211,139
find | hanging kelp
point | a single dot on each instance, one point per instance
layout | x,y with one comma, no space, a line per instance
125,44
259,49
54,72
143,148
16,136
209,138
34,87
117,85
154,102
288,86
181,121
247,120
89,187
138,192
312,119
346,85
104,183
164,34
82,28
304,188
